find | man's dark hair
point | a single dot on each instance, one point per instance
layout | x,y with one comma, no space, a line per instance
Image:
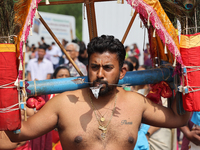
82,47
126,47
75,40
47,46
42,47
130,65
146,67
107,44
134,60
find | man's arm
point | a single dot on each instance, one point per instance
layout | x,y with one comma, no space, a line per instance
151,130
5,142
161,116
48,76
29,76
42,122
55,55
192,135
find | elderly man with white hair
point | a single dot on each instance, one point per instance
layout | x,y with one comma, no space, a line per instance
73,51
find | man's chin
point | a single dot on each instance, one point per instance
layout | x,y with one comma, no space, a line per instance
103,91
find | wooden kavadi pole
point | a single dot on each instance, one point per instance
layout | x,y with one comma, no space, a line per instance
60,45
129,27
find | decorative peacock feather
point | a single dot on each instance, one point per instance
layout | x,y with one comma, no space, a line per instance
11,18
6,19
175,9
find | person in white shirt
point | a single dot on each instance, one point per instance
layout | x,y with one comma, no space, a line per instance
39,68
54,52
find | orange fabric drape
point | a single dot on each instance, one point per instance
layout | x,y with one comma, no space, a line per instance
164,19
157,48
21,9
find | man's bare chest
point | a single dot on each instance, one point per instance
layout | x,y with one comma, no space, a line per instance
85,128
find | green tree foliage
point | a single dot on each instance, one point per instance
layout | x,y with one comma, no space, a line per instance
67,9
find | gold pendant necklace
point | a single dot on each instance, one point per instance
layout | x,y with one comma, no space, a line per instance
102,127
102,119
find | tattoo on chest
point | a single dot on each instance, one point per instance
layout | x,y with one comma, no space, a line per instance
125,122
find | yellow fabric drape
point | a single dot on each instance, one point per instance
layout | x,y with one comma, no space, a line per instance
164,19
166,57
7,48
190,41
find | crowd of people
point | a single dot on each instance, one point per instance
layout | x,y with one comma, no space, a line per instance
51,57
41,61
48,62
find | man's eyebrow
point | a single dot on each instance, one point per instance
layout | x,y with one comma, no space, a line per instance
108,65
102,65
95,64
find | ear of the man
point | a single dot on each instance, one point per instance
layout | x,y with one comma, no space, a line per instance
122,73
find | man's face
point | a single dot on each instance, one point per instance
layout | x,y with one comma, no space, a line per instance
103,69
71,51
41,53
50,48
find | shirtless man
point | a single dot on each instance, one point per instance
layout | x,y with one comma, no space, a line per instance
110,122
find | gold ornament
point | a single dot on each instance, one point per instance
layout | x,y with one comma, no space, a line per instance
102,119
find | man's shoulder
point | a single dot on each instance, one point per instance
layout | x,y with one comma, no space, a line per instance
56,48
75,92
72,96
33,60
79,62
47,61
131,95
81,66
